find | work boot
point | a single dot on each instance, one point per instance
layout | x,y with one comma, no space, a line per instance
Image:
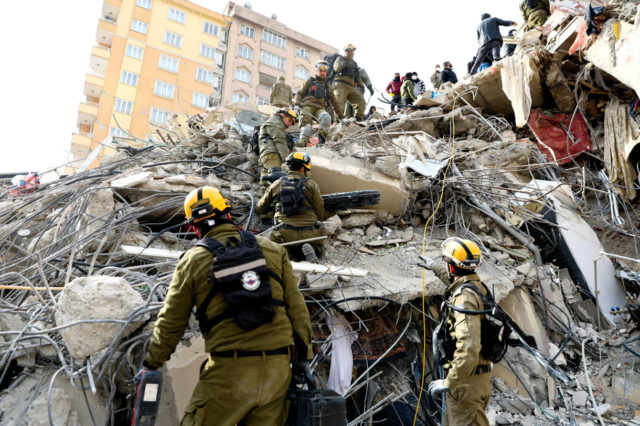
309,253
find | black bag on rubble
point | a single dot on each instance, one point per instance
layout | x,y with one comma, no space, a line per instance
315,407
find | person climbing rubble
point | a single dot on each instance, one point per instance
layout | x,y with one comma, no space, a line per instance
312,101
272,140
299,206
408,95
489,39
365,81
535,12
280,95
467,382
250,312
347,76
509,48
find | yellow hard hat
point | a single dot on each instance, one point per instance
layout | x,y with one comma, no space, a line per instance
298,160
322,65
464,254
350,46
291,113
203,203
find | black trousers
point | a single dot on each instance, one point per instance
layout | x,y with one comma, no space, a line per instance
493,48
395,102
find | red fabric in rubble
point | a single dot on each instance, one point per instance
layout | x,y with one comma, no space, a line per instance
548,128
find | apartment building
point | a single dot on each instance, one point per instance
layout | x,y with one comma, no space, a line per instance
151,58
260,50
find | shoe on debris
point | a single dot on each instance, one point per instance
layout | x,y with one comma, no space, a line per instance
309,253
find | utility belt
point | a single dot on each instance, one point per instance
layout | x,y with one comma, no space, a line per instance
300,228
347,83
481,369
240,354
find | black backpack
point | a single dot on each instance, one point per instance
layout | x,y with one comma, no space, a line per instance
292,196
331,59
495,329
242,276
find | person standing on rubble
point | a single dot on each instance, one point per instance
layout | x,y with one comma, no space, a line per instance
250,312
406,90
418,85
393,89
272,140
535,12
280,95
299,207
435,78
489,39
347,77
365,81
467,382
312,101
448,75
509,48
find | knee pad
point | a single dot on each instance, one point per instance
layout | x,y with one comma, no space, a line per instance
324,119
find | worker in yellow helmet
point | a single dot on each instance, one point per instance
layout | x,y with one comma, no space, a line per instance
272,140
250,312
299,207
346,81
467,382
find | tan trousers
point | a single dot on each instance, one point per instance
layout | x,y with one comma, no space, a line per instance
467,404
346,92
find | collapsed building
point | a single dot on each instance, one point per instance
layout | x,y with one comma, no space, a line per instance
536,159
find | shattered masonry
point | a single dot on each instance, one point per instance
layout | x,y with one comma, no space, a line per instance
544,176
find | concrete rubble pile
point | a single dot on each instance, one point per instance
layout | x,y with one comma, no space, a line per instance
86,260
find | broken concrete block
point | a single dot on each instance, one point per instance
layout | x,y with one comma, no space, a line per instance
331,225
528,269
580,398
373,231
358,219
345,237
95,297
505,418
321,282
183,368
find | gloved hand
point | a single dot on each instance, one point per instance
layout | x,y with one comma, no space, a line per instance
300,368
515,24
427,262
437,388
370,90
296,109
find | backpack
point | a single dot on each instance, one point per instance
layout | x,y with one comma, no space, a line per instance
292,196
331,59
242,276
495,330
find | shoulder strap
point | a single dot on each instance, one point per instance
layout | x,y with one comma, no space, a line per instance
474,288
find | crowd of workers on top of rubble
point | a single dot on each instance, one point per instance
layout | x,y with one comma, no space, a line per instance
251,313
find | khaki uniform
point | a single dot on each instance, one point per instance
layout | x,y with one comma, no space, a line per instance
280,95
468,375
345,85
312,106
435,79
273,142
230,389
364,81
536,15
300,226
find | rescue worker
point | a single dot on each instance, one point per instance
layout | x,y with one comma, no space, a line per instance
280,95
467,382
489,39
535,12
272,140
435,78
509,48
406,90
299,207
365,81
347,76
312,101
245,378
448,75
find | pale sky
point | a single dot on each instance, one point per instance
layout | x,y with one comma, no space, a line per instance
47,44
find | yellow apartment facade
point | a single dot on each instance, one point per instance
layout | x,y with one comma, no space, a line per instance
151,58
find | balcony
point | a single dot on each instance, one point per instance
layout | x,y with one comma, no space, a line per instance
99,59
111,9
87,113
105,32
81,139
93,86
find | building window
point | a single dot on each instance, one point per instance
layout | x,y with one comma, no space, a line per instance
144,3
247,31
134,51
164,89
302,73
240,97
302,53
217,83
245,52
159,116
274,38
129,78
169,64
173,39
272,60
207,51
139,26
262,101
219,58
243,75
204,75
210,28
123,106
118,132
177,15
200,100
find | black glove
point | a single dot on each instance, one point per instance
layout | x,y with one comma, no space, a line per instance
300,368
370,90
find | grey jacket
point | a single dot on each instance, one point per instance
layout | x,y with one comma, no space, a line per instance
488,30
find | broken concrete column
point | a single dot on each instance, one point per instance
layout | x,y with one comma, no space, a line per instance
92,298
